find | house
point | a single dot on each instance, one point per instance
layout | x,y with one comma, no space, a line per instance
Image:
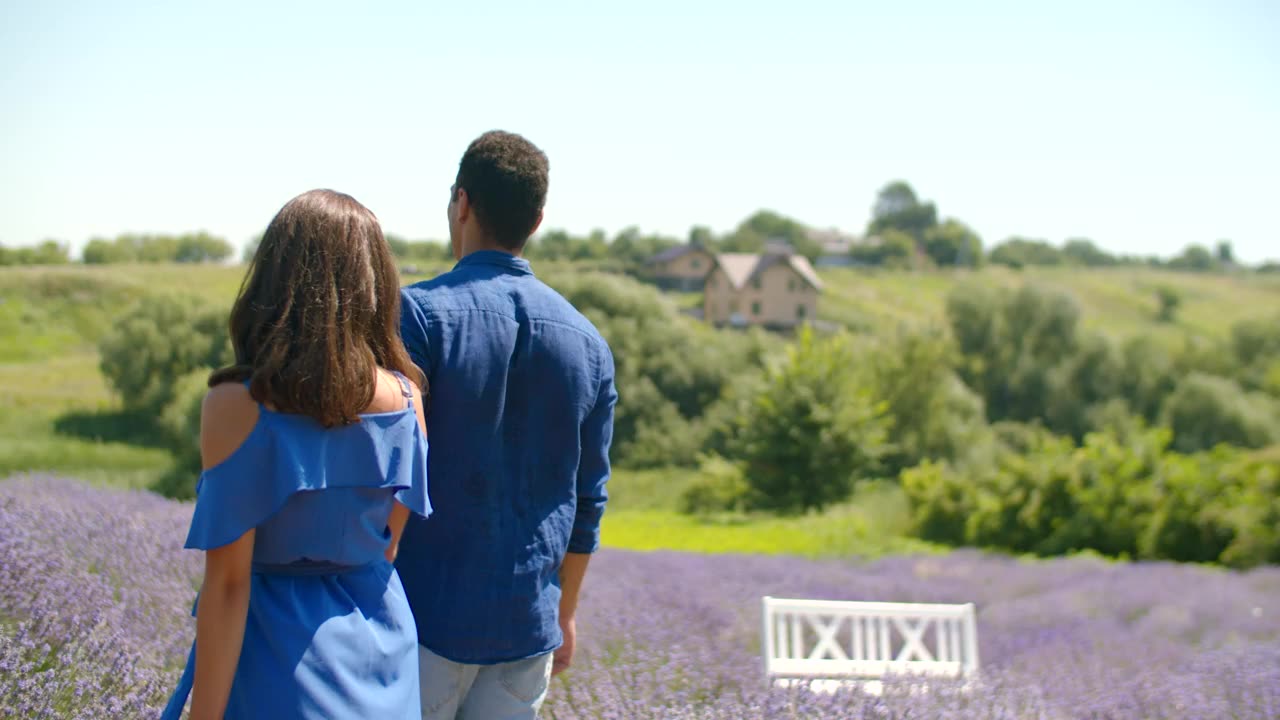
776,289
683,267
837,247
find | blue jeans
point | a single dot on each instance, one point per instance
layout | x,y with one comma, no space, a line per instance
507,691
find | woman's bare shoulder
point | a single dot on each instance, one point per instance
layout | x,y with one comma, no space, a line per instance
227,416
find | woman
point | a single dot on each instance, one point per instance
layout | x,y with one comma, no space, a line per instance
314,452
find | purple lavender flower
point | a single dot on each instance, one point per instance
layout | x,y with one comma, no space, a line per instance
95,598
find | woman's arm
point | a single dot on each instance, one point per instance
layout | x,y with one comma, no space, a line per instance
226,419
220,620
400,513
399,516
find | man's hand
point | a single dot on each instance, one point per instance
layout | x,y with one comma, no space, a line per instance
563,656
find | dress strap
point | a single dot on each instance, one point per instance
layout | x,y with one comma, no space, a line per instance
404,388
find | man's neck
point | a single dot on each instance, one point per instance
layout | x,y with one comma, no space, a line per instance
475,246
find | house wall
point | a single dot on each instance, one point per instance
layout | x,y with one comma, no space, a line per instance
717,298
777,302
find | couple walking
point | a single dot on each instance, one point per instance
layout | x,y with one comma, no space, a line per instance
328,591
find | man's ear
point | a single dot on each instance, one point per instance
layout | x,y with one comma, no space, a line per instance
536,223
463,204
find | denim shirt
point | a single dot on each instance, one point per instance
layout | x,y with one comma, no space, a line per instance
520,417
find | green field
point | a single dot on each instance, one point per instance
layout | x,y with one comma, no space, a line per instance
1116,301
57,414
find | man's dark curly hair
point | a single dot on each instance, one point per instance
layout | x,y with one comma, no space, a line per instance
505,177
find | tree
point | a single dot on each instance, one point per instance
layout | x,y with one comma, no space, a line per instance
931,414
1226,256
898,208
1017,252
701,236
1195,258
894,198
1082,251
1010,344
157,343
812,430
201,247
953,244
892,249
765,226
100,251
49,252
1205,410
1255,352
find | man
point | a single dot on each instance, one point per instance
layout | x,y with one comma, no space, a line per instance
521,417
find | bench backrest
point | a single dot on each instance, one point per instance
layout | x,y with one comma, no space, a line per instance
835,638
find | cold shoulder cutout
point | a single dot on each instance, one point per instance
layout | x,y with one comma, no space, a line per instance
228,416
283,455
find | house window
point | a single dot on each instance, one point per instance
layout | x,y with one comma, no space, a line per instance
695,263
791,285
800,312
755,308
755,282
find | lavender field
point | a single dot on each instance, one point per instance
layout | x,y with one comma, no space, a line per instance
95,594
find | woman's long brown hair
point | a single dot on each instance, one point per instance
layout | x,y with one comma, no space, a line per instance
318,312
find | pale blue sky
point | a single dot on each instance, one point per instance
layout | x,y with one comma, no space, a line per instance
1143,125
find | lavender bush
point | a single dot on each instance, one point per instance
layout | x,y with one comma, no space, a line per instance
95,594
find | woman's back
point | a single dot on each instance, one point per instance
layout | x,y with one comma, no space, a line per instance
312,493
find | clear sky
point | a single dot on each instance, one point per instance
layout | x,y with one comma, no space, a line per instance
1143,125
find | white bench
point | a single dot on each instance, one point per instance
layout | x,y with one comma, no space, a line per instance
837,641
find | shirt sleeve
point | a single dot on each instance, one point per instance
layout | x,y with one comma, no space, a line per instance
413,331
593,469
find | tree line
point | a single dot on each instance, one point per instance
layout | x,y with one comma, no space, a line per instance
904,232
191,247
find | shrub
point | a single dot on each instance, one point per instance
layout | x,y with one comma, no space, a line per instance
931,413
1118,495
180,423
721,486
157,343
812,429
1205,410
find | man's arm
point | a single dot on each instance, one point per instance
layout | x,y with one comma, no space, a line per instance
593,474
413,332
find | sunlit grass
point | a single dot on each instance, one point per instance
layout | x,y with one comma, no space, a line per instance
1119,302
642,516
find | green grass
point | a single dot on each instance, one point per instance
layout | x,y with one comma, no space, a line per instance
1120,302
642,515
840,532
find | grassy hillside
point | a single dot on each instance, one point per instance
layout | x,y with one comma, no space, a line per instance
57,414
1117,301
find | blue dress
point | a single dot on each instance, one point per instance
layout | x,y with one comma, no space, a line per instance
329,633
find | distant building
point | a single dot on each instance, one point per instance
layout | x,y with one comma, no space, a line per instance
683,267
836,247
776,289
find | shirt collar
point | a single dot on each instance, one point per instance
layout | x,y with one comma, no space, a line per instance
497,258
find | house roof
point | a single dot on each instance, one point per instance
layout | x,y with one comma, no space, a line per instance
672,253
741,267
738,266
804,269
